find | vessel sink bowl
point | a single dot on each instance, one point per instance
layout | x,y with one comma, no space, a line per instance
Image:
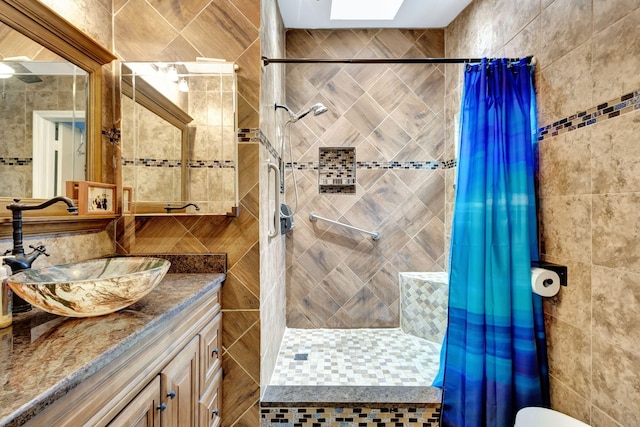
89,288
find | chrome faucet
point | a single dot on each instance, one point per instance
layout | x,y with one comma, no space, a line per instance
170,208
19,260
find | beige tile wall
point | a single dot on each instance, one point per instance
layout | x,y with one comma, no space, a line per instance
145,135
272,250
588,53
389,113
212,102
70,248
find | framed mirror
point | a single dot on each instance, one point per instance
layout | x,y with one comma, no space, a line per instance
37,44
179,137
43,141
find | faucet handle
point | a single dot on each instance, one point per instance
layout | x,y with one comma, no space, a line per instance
7,252
40,249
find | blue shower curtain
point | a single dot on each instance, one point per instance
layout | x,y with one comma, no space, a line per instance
495,353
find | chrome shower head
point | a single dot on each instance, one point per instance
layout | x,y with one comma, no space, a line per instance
317,109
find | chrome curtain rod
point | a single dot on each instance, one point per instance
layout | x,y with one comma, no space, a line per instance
267,61
314,217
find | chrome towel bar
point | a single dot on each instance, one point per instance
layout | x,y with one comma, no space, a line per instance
314,217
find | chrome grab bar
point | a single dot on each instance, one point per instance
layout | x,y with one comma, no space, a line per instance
374,234
276,213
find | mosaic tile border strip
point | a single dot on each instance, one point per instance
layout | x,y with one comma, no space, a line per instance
337,189
449,164
249,135
412,165
608,110
361,417
211,164
193,164
16,161
256,135
156,163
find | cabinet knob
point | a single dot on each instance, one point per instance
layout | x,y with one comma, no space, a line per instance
214,413
171,394
162,406
214,352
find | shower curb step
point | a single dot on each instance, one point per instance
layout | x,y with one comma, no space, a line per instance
292,396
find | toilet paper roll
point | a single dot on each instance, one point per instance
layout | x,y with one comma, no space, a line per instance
545,282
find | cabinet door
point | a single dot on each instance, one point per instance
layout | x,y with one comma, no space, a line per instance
211,403
211,350
144,410
180,387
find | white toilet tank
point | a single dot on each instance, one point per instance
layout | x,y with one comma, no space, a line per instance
543,417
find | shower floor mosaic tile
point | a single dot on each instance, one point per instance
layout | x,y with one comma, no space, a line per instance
355,357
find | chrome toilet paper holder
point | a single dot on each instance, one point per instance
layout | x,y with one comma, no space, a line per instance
561,270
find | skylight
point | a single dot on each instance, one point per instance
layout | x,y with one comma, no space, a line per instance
364,9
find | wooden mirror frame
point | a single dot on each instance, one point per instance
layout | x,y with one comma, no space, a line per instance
41,24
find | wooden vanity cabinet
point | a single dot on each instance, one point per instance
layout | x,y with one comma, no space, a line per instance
210,355
179,388
210,403
171,379
143,410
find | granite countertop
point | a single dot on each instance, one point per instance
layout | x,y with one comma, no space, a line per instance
44,356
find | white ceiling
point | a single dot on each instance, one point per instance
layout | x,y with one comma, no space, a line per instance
312,14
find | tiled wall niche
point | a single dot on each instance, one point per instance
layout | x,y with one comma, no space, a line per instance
337,170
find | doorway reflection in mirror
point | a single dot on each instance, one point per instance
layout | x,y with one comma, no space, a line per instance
42,132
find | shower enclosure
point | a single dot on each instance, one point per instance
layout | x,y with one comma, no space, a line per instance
376,160
367,181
